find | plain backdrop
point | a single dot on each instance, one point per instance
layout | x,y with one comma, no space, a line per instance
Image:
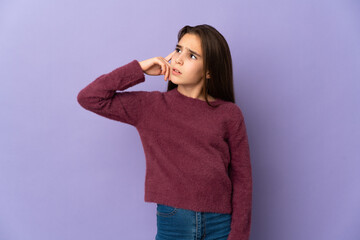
67,173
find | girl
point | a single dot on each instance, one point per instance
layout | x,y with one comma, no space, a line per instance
194,137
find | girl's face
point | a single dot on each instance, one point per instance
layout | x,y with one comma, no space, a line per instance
188,60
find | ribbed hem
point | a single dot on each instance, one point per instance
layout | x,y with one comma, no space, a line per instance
221,206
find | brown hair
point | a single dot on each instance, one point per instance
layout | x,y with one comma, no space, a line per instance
217,60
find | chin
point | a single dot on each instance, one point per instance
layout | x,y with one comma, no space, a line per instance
174,80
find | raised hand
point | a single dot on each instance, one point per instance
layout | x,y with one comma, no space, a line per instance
157,66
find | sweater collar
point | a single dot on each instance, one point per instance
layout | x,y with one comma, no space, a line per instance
192,100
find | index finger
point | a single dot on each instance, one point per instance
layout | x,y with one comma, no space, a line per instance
169,56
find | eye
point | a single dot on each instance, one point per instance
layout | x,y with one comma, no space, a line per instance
193,56
177,49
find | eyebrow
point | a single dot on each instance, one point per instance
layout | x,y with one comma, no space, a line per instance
177,45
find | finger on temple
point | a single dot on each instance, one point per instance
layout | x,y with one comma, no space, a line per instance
168,58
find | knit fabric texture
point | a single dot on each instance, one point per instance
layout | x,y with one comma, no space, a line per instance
197,157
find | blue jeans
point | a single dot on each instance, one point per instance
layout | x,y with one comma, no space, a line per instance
183,224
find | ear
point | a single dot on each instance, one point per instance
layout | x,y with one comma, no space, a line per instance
208,75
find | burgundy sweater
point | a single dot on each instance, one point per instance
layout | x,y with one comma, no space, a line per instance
197,157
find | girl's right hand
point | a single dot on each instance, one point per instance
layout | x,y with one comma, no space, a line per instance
157,66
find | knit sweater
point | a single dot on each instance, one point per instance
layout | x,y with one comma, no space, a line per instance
197,157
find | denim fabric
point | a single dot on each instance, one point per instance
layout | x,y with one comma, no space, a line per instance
183,224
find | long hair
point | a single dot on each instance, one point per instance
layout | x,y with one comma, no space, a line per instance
217,60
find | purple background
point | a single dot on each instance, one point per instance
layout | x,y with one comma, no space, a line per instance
66,173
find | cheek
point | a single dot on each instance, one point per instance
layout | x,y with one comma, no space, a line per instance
197,69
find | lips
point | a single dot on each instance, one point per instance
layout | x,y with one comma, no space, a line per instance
176,70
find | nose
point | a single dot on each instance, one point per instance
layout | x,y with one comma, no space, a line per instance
179,59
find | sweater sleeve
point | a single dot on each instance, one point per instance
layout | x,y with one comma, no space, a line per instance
101,96
241,178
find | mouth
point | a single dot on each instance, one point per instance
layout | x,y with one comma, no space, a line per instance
175,71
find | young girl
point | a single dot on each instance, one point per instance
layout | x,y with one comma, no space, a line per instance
194,137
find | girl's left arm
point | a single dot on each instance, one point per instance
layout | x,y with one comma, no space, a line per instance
241,178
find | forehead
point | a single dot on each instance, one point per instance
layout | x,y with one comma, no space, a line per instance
191,42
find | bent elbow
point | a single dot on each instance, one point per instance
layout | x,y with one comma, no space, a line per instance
82,99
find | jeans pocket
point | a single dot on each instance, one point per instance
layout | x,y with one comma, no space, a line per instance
165,210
